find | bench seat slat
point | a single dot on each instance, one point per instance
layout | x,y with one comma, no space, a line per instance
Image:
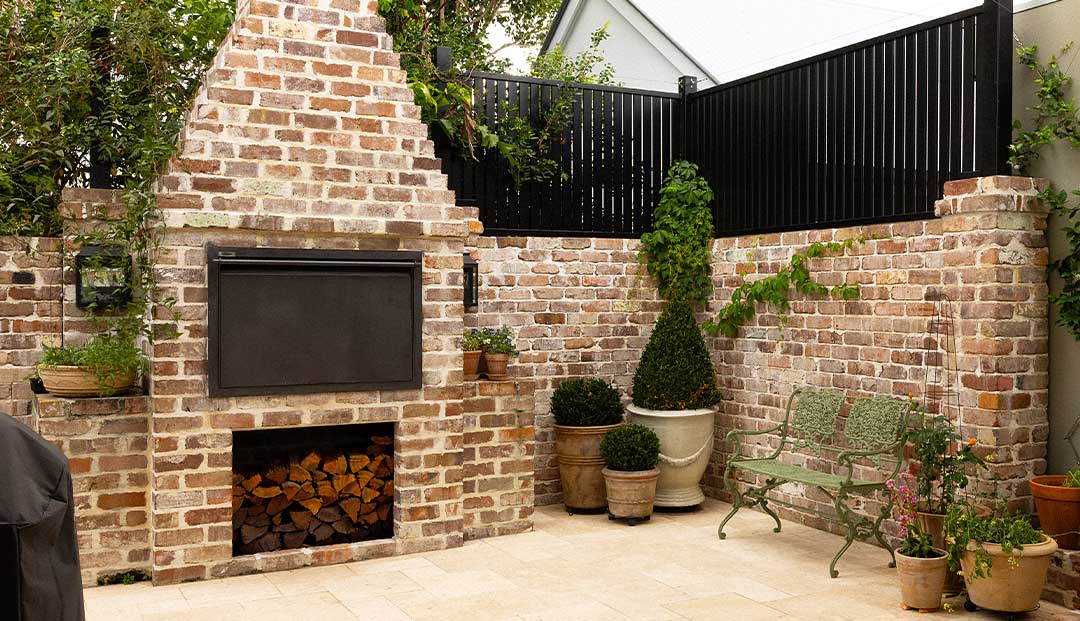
776,469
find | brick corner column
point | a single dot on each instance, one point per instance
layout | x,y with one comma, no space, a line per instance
995,261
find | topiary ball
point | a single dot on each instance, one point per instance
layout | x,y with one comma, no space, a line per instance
584,402
676,372
630,448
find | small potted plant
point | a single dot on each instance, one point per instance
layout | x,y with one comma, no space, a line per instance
941,473
472,344
1003,557
1057,503
675,395
498,347
585,409
106,365
921,566
630,452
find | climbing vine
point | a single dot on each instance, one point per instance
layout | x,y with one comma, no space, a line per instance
773,290
1055,117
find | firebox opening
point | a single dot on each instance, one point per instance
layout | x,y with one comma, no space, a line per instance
313,486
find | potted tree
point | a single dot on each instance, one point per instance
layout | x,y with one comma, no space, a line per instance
1057,503
675,395
920,565
941,469
585,409
498,347
472,346
106,365
630,452
1003,557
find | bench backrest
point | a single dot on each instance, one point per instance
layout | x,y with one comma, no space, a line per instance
873,423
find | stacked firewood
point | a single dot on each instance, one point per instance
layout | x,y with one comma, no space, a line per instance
315,499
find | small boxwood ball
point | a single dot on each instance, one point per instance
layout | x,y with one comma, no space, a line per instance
630,448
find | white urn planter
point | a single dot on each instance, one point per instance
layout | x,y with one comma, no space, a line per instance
686,442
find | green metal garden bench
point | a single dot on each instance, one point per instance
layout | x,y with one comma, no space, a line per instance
874,433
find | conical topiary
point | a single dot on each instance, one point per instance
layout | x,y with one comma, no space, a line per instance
676,372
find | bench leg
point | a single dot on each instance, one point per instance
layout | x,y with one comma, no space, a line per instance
852,530
764,502
886,511
736,502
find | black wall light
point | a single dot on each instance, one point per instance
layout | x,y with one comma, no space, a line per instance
472,281
102,275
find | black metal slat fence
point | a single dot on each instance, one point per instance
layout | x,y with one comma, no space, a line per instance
864,134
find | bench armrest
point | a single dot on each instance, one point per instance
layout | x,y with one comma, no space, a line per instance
735,436
847,459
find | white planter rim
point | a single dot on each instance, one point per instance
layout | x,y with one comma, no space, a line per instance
1045,548
671,413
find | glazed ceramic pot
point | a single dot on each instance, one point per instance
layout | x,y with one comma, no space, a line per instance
686,441
1058,508
496,366
1011,586
630,494
71,381
471,365
922,580
581,466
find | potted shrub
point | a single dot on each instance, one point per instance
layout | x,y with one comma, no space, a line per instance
585,409
941,473
1003,557
105,365
498,347
1057,503
675,395
920,565
630,452
472,344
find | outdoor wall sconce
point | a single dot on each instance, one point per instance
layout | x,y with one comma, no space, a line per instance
472,281
102,275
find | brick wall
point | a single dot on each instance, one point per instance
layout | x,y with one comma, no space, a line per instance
30,313
1063,579
582,308
106,442
498,497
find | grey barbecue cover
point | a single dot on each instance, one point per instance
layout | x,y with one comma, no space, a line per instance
39,555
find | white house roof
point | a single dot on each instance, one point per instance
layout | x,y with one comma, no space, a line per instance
729,39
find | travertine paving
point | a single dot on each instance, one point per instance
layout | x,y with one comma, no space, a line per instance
570,567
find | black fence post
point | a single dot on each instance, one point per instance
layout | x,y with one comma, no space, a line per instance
100,167
993,74
687,85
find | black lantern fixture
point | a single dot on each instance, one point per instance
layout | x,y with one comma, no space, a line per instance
102,274
472,281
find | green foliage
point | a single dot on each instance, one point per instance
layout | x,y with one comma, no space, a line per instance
128,577
155,52
942,470
676,372
445,99
1055,117
966,526
586,402
677,251
472,340
108,355
774,290
498,341
582,68
915,542
1072,478
630,448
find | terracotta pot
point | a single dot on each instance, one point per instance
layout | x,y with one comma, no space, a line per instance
581,466
934,525
1010,588
471,364
69,381
686,441
1058,508
922,580
496,366
630,494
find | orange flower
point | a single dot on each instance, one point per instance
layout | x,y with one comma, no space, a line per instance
972,441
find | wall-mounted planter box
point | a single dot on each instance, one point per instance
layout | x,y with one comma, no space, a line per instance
301,321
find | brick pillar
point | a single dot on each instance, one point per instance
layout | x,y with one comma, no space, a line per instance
995,260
